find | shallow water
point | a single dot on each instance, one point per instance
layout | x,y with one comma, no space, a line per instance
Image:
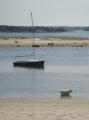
65,67
75,33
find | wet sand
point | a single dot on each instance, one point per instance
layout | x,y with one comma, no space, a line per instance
44,109
44,42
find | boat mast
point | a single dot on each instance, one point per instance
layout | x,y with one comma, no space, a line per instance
33,35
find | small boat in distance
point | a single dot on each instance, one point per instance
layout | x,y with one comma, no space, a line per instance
65,92
30,63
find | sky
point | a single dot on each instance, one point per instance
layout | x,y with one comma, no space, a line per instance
45,12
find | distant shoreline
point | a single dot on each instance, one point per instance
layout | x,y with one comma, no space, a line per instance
44,42
6,28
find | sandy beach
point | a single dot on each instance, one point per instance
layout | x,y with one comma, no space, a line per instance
44,109
44,42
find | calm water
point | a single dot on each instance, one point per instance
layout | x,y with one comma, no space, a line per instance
65,67
77,33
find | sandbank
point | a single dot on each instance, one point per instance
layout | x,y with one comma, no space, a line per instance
44,42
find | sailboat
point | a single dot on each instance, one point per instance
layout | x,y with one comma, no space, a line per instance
34,63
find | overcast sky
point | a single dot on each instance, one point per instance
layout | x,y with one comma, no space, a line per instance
45,12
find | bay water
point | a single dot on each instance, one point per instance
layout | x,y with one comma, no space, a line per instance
75,33
65,68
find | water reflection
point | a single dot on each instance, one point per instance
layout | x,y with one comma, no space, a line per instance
66,97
